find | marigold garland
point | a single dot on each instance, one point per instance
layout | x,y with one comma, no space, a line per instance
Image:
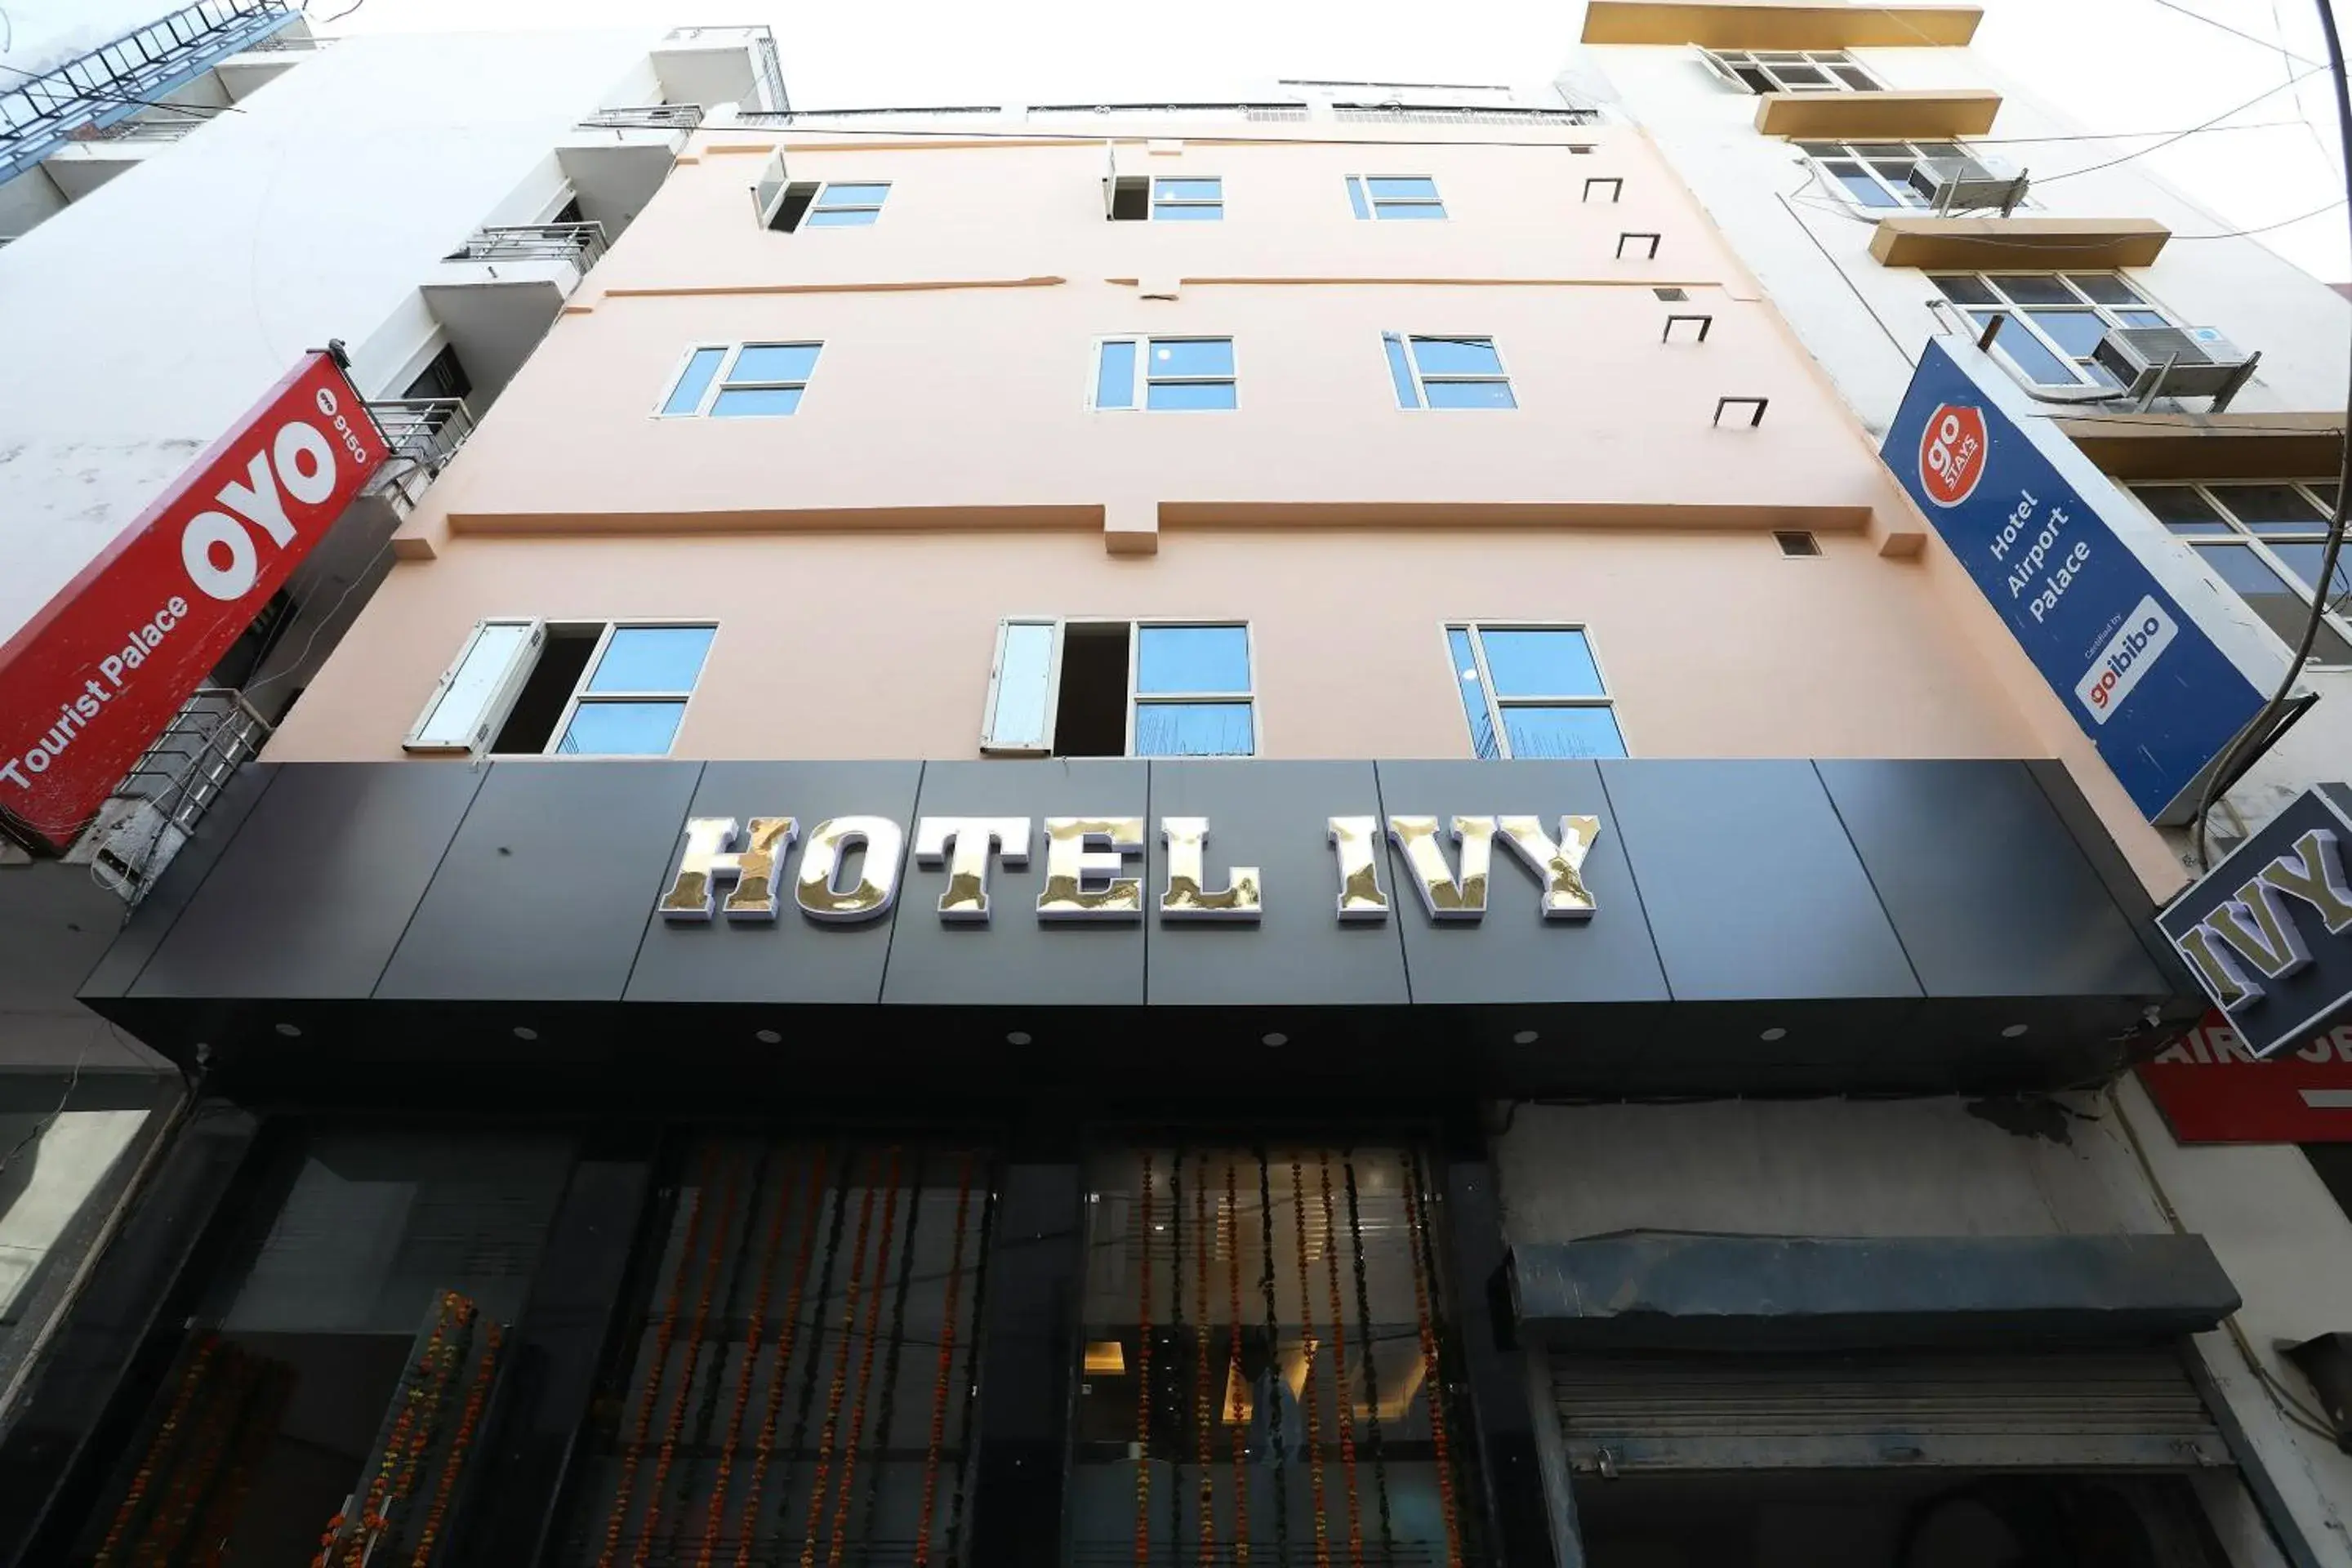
1143,1379
735,1273
660,1363
1306,1349
1432,1377
764,1450
176,1514
694,1342
1379,1445
159,1447
257,1428
947,1366
1203,1456
1344,1393
840,1382
1229,1227
972,1381
1275,1439
886,1419
477,1393
865,1363
714,1518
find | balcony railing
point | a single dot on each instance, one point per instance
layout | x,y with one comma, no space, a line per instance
427,431
174,782
1452,114
38,114
281,43
581,244
159,130
646,117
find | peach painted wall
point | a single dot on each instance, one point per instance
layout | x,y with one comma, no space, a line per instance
944,470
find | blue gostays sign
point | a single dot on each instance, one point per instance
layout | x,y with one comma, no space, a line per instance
2157,697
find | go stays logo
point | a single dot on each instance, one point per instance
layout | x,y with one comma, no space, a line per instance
1952,451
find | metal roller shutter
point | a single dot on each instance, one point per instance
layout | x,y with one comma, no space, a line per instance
2133,1409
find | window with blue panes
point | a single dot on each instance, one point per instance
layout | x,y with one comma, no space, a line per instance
1447,372
1164,374
847,205
1188,198
1532,691
1389,198
1109,689
523,686
733,381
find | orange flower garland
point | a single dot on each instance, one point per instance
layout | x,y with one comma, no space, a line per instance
840,1382
766,1447
662,1336
1307,1350
1433,1378
946,1364
1143,1381
715,1518
1202,1456
865,1365
694,1343
477,1394
1229,1224
158,1448
1345,1394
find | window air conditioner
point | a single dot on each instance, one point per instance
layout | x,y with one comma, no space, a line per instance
1967,184
2175,361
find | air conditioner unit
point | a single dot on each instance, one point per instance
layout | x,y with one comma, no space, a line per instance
2175,361
1968,184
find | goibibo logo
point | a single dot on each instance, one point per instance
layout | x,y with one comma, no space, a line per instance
1952,453
2144,635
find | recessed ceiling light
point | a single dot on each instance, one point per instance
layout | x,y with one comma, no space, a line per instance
1775,1033
1525,1037
1277,1038
291,1031
767,1036
1017,1038
525,1032
2012,1031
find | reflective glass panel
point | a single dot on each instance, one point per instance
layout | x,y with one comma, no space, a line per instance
1548,662
1564,732
2035,289
652,658
1474,696
1859,186
2076,332
2182,509
2105,287
1356,197
735,403
1192,730
772,362
2282,605
1428,211
460,710
1191,356
1470,395
1411,190
2033,358
836,217
1115,377
852,197
1962,288
1164,213
1399,372
2272,509
621,729
1190,395
1188,190
1457,356
687,396
1021,682
1191,659
2304,561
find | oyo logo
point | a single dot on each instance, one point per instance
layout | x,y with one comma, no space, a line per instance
299,460
1951,453
2144,635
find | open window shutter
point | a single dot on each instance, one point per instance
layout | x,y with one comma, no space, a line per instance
1021,687
1125,196
768,193
480,685
1722,68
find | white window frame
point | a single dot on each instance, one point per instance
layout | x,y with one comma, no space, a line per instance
2240,534
1154,201
499,705
816,203
2020,322
580,697
1360,187
1496,703
720,382
1849,152
1136,625
1140,393
1421,383
1729,64
500,700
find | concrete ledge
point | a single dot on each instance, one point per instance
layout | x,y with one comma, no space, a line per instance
2209,446
1664,1290
1777,25
2010,242
1920,114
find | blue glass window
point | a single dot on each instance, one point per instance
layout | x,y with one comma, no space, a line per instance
1391,197
1192,730
848,206
1400,371
767,363
2032,359
1115,375
1473,695
737,402
1196,659
1532,691
686,397
1188,200
621,729
1551,662
1564,732
652,658
1176,372
1447,372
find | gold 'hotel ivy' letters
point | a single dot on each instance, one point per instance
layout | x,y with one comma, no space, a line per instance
1091,872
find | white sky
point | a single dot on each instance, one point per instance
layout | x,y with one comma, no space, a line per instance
2134,64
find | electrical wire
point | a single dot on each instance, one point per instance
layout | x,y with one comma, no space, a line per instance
2261,723
1829,203
46,1122
106,95
2192,130
2277,46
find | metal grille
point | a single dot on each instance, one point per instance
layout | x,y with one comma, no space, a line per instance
1979,1410
798,1383
646,117
581,244
1433,114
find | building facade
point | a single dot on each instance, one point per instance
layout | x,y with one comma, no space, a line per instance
1211,832
1889,188
188,211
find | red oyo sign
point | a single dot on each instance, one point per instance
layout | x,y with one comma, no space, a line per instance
1952,453
2212,1090
97,674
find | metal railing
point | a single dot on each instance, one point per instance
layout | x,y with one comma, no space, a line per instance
818,116
1269,112
1447,114
646,117
428,431
139,131
581,244
282,43
40,113
174,782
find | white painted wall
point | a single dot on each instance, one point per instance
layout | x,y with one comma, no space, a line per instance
141,322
